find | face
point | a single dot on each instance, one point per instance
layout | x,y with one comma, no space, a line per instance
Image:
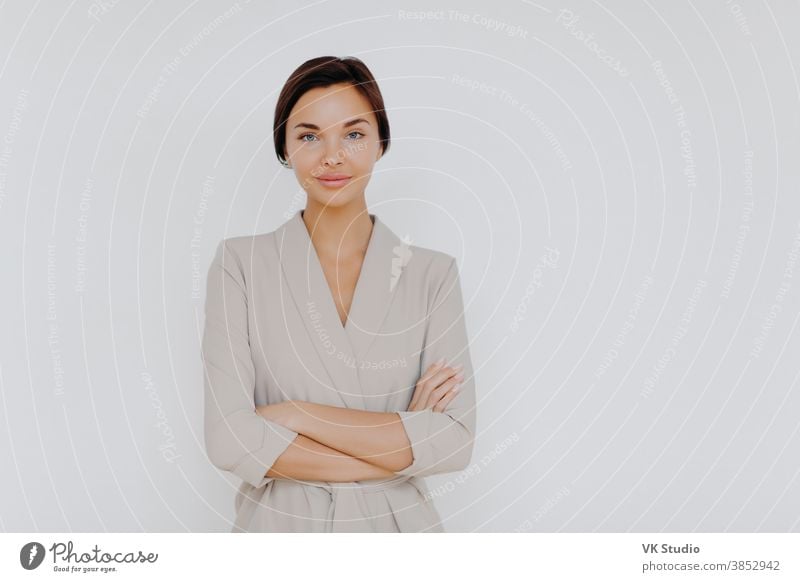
332,133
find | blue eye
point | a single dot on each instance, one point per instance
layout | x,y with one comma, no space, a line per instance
305,135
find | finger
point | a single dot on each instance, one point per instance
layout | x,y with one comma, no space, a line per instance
419,388
436,392
414,396
445,387
424,388
437,373
432,369
444,374
441,406
423,394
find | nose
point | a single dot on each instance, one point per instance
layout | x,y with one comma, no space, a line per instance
333,155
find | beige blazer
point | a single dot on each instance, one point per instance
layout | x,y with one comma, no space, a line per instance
272,333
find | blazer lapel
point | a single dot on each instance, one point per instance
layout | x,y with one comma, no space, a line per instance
341,348
381,270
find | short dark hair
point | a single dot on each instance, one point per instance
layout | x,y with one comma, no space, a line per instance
324,72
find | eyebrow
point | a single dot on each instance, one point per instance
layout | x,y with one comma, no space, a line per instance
346,124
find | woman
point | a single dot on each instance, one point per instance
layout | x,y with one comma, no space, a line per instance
337,366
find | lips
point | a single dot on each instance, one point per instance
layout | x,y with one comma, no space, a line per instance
333,180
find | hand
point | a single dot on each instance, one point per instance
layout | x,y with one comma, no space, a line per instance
436,387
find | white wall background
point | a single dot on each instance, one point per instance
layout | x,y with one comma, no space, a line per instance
619,182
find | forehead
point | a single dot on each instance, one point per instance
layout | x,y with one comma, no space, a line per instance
328,106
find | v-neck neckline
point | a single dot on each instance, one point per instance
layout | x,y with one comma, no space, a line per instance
361,274
341,348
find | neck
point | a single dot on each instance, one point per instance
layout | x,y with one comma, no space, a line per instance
341,232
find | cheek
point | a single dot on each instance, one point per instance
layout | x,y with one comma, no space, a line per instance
306,163
362,159
301,153
302,149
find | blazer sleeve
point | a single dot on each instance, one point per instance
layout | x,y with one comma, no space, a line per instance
442,442
237,438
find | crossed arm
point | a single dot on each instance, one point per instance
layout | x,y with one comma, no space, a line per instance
345,444
338,444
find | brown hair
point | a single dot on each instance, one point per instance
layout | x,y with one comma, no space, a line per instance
324,72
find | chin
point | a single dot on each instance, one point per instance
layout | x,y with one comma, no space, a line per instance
332,199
